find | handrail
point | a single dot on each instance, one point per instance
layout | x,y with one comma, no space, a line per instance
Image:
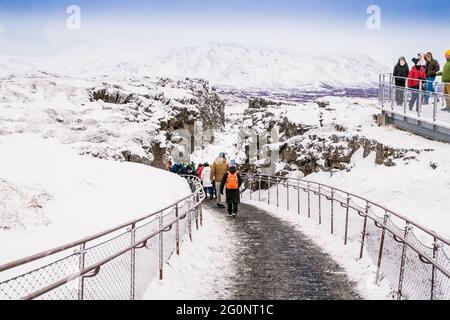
407,78
400,216
97,266
73,244
194,199
434,255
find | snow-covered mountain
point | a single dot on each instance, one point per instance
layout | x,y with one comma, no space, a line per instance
223,64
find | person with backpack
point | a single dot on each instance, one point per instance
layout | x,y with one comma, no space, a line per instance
205,176
232,181
416,74
431,69
401,71
446,80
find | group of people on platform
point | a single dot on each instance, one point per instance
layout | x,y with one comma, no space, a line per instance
221,180
423,73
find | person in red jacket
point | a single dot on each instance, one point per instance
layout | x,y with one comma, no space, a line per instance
200,170
416,74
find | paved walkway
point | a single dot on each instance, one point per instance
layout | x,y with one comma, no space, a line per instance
278,262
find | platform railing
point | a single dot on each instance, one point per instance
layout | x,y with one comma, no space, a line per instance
414,259
118,263
411,101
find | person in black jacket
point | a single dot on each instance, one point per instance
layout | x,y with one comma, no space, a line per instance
431,69
401,71
232,181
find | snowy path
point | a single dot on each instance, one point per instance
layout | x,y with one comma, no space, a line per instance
258,257
279,263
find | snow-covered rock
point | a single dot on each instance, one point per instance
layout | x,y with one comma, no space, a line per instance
129,119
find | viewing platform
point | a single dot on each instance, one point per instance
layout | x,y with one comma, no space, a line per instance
407,109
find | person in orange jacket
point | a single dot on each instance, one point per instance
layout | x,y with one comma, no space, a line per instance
232,181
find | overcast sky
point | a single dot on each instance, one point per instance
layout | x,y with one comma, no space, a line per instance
38,28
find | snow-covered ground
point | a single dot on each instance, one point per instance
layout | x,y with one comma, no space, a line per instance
203,269
49,195
360,271
412,187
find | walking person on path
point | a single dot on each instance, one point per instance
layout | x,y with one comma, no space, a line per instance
232,181
218,170
205,176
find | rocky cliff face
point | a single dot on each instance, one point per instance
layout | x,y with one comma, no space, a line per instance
133,120
171,106
311,147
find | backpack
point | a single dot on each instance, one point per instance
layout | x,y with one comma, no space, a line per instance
232,181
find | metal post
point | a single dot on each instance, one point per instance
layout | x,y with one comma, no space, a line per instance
363,238
190,224
259,189
346,220
379,88
433,270
278,198
268,191
251,190
390,93
133,262
435,106
320,207
81,267
177,230
287,191
405,100
419,106
201,214
161,247
393,98
298,197
380,251
332,211
309,202
402,266
196,213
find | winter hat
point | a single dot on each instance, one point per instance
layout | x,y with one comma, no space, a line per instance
222,155
448,53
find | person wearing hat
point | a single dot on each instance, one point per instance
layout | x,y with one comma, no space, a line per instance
218,170
416,74
446,80
401,71
232,181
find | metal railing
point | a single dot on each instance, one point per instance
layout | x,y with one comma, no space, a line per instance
118,263
429,106
414,259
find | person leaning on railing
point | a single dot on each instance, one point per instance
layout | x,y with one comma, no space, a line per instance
416,74
431,69
401,71
446,80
